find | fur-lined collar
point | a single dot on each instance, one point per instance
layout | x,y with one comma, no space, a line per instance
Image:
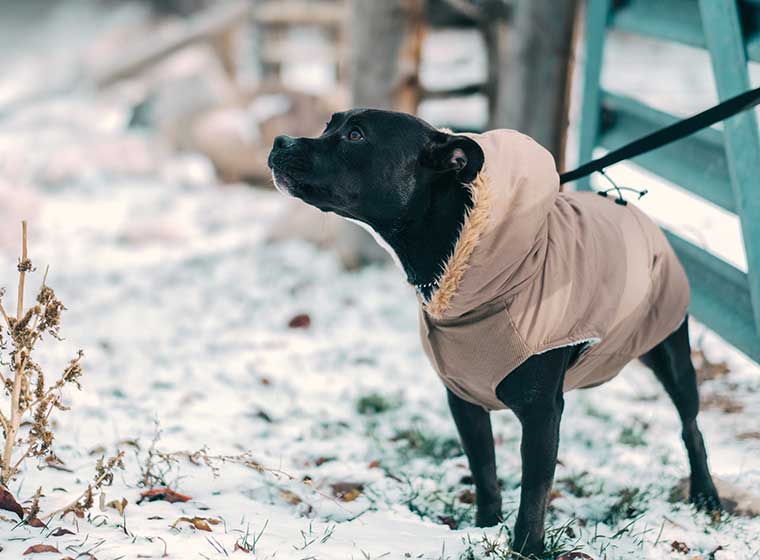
503,239
475,223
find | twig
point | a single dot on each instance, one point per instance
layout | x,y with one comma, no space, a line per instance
5,316
15,421
22,273
72,504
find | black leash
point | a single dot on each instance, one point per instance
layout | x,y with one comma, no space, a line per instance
664,136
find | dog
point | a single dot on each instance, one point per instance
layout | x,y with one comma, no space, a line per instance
525,292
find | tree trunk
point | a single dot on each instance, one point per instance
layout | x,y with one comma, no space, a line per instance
535,59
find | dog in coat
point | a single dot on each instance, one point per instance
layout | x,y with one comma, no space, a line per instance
525,292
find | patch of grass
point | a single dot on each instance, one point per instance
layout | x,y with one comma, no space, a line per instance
558,540
374,403
633,435
630,503
576,485
421,444
594,412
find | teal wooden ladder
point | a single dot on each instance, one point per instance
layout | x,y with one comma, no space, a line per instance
722,167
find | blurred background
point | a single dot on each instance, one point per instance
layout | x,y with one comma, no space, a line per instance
133,138
130,88
196,90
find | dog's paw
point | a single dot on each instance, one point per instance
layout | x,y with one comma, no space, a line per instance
705,497
531,551
488,516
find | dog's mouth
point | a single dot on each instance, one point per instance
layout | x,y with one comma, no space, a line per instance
313,195
283,182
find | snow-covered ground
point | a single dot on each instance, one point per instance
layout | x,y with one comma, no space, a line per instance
183,311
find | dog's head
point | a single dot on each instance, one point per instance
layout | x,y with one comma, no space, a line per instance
379,167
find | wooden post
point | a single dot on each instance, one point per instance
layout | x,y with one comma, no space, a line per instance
386,40
535,63
597,14
728,53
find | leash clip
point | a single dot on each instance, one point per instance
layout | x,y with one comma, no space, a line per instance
619,200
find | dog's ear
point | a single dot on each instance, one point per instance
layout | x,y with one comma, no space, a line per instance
449,153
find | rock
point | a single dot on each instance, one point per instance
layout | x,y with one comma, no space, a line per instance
237,138
735,500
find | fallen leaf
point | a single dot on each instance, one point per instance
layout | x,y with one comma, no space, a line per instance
241,549
724,403
467,496
39,548
300,321
162,494
60,531
200,523
35,522
9,503
118,505
55,463
707,369
555,493
347,491
748,435
322,460
678,546
291,497
374,464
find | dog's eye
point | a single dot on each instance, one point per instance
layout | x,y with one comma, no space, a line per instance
355,135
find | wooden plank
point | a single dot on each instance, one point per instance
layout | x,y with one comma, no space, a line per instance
670,20
696,163
720,296
294,12
753,46
206,26
283,52
597,14
462,91
742,141
681,21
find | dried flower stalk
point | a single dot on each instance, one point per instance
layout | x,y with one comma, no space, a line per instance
23,379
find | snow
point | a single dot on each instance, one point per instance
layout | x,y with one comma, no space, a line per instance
182,309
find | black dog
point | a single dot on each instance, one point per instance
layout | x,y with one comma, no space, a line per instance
404,179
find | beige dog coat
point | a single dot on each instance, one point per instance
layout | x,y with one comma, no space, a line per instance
535,269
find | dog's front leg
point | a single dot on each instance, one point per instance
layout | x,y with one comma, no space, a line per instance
540,440
534,393
474,426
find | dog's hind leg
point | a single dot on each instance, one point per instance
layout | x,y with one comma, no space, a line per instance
671,363
474,425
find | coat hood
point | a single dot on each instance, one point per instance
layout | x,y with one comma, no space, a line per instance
512,197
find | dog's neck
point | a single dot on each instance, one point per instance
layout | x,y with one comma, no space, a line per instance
424,244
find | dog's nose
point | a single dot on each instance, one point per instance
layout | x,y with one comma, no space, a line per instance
284,142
